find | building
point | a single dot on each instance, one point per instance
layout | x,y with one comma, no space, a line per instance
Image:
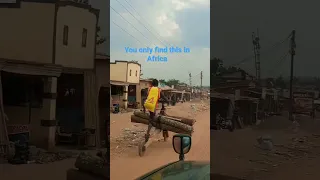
47,53
124,78
102,63
142,90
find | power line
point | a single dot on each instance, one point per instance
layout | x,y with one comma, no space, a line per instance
293,53
138,19
188,78
128,33
257,47
279,62
146,21
267,51
130,24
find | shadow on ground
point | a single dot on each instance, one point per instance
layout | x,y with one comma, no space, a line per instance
223,177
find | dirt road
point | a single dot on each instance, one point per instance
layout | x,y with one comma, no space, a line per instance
295,154
125,161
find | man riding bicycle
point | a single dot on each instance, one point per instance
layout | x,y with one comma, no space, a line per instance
151,103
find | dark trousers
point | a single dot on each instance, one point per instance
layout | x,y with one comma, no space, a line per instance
152,116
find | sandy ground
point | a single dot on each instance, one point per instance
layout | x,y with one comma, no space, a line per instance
125,161
295,154
52,171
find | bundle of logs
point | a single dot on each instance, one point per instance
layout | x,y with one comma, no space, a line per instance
169,123
90,167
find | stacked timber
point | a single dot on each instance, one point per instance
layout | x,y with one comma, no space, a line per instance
173,124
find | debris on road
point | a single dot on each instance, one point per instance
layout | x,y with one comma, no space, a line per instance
265,142
46,157
90,167
129,137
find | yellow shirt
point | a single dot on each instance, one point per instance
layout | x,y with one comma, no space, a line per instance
152,99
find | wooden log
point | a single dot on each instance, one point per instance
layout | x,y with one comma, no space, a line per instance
136,119
166,120
92,164
184,120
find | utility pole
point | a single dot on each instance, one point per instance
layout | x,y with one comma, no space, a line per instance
293,53
257,47
190,78
201,90
201,80
255,52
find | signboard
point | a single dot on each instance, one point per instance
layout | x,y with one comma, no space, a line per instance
17,129
303,102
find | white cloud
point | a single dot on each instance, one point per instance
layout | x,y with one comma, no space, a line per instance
172,27
185,4
162,16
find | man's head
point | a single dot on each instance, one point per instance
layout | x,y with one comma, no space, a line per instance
155,83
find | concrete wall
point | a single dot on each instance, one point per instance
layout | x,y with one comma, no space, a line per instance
103,73
134,76
26,33
74,55
116,99
118,71
142,85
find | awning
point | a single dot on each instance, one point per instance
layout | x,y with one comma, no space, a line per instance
31,69
118,83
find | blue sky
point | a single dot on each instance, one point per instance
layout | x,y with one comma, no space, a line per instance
163,23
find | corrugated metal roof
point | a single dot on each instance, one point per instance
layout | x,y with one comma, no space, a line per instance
223,96
164,87
102,56
117,83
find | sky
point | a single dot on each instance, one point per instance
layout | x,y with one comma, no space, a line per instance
233,26
165,23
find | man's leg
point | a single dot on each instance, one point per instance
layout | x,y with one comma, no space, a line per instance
151,118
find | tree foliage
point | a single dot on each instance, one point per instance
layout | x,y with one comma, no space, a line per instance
171,82
100,39
217,67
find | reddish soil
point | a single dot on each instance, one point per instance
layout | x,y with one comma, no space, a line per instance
295,155
127,164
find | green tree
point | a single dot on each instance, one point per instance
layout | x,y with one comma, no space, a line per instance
162,81
215,65
173,82
100,39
